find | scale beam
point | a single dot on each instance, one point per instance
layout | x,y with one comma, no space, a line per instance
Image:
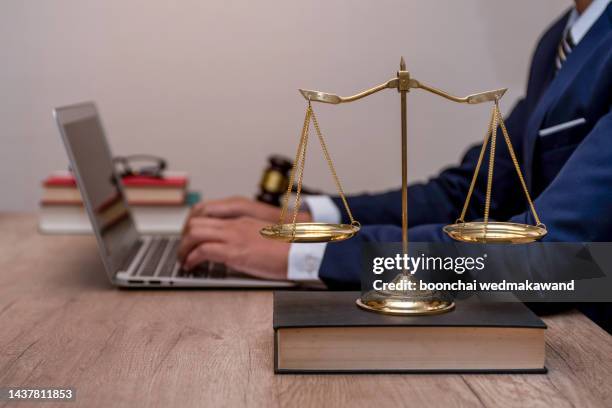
326,97
487,96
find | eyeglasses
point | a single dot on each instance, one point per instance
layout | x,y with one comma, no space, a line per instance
140,165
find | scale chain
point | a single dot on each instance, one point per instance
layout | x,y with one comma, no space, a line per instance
491,168
516,164
298,155
478,165
332,168
300,175
297,172
495,121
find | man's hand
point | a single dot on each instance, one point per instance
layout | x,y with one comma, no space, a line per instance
236,243
242,207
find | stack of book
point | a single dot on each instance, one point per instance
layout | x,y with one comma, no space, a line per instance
159,205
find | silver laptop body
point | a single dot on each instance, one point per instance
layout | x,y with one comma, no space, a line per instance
130,259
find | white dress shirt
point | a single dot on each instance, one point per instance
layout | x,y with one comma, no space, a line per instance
580,24
305,259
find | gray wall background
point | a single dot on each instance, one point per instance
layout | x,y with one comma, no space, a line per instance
212,85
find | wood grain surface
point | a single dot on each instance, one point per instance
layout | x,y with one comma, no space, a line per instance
63,324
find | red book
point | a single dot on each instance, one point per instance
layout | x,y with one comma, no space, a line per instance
60,180
60,188
172,180
169,181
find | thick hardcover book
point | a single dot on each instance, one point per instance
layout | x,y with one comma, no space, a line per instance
325,332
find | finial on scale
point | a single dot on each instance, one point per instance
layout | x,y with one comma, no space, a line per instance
402,64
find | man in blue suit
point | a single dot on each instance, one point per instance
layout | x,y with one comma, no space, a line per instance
561,131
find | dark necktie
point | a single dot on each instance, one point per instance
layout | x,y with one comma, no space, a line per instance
566,45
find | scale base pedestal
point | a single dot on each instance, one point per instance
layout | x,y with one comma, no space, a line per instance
405,302
406,306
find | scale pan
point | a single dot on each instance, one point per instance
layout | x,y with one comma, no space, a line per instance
495,232
309,232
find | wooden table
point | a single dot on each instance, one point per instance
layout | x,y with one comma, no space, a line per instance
63,324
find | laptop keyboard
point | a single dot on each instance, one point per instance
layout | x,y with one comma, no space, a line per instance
160,260
132,255
209,270
154,255
166,269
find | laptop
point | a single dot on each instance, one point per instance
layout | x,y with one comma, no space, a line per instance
130,259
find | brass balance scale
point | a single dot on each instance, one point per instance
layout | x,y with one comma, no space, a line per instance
404,302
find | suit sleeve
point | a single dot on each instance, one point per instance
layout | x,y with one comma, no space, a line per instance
577,205
441,199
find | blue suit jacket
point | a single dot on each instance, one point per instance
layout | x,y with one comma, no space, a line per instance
569,173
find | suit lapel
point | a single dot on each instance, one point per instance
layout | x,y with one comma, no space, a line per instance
563,79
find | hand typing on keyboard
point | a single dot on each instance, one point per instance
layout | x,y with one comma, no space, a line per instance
235,207
234,242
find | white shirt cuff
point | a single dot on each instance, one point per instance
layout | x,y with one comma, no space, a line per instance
304,262
305,259
323,209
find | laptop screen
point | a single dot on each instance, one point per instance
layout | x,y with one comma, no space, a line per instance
98,182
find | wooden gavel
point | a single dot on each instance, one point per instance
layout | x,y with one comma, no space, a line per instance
275,180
